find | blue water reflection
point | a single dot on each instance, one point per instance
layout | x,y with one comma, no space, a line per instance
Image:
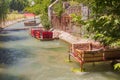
10,56
7,38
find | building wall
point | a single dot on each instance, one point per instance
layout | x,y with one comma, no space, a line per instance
65,22
62,23
73,10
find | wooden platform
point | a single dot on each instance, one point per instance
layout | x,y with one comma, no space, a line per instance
30,23
87,52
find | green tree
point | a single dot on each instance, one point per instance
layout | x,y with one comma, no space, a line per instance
106,23
40,7
33,9
58,8
18,5
3,10
44,13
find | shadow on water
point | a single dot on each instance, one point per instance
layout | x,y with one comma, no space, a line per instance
9,31
9,56
8,38
4,76
105,66
4,32
100,76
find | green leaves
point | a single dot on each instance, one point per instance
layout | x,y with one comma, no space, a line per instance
117,66
18,5
45,22
41,7
58,8
104,22
105,29
34,9
3,10
77,19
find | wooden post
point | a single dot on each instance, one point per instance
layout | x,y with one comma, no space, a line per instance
69,57
90,46
81,66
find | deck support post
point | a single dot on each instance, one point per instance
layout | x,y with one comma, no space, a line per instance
69,57
93,63
81,67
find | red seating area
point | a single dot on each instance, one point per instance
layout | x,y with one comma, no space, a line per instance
41,34
47,35
36,33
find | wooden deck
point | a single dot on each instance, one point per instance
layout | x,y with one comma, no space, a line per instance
83,53
30,23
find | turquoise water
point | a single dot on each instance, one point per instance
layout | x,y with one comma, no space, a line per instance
24,58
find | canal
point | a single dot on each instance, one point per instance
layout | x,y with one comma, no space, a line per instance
24,58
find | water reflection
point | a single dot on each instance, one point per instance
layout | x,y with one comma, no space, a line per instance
25,58
7,38
4,32
9,56
11,77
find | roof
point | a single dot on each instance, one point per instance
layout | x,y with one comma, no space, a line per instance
29,14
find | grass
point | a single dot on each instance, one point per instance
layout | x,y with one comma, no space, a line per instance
14,16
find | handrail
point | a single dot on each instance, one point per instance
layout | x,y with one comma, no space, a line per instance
50,9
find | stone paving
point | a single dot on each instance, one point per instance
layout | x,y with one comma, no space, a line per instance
67,37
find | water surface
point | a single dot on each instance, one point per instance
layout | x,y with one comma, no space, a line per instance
24,58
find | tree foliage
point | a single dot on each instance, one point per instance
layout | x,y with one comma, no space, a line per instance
18,5
105,21
33,9
58,8
3,9
105,29
105,25
117,66
40,7
44,13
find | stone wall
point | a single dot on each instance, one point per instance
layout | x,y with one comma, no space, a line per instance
62,23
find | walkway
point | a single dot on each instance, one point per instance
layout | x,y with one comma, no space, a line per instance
70,38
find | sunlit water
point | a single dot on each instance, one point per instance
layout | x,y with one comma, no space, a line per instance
24,58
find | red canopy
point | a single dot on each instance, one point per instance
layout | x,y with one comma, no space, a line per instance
29,15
